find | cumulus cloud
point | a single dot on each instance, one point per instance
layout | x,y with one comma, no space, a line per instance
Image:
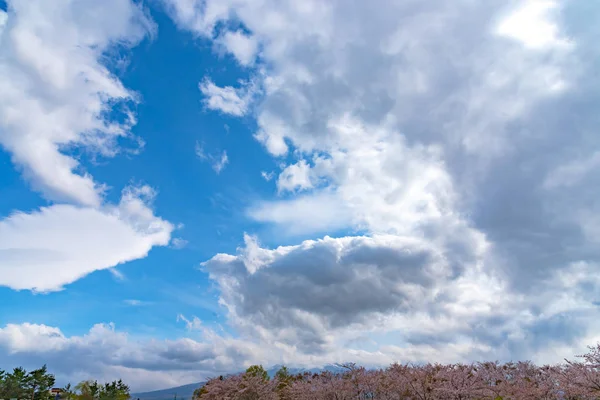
228,100
243,47
377,182
56,245
401,298
300,294
295,177
426,121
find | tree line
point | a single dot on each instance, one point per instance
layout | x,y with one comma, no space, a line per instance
572,380
36,385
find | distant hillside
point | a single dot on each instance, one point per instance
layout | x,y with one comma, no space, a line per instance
186,392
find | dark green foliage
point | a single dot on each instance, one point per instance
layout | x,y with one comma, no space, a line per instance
91,390
36,385
20,384
68,393
199,392
115,390
257,371
283,374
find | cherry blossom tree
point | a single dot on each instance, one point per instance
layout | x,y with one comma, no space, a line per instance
573,380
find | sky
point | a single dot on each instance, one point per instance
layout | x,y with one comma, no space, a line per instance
190,187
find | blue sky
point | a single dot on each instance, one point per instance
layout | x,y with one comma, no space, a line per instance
189,187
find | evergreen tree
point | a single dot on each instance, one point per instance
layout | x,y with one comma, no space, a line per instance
38,384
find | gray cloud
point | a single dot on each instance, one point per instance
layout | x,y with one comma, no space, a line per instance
332,283
104,353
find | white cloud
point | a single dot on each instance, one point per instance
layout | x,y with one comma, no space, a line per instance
320,213
228,99
243,47
531,24
217,162
118,275
136,302
273,137
178,243
376,183
267,176
221,162
55,91
295,177
194,324
56,245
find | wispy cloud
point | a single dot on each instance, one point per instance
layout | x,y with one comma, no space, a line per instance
267,176
193,324
136,303
118,275
217,161
178,243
